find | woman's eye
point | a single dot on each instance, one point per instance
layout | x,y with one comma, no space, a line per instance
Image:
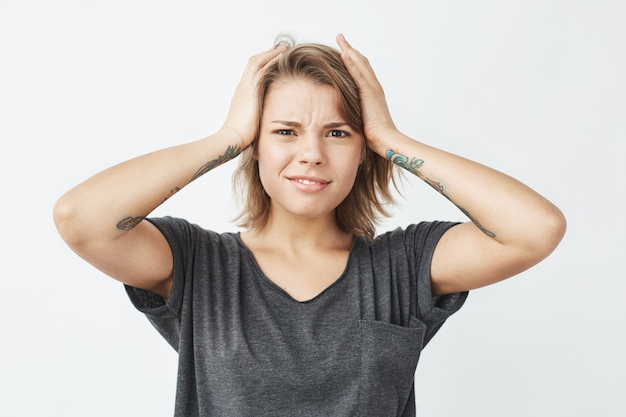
337,133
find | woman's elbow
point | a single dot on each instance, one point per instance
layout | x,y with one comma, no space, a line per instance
552,229
66,219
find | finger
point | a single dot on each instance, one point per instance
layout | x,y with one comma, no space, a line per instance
278,52
345,54
356,62
347,57
342,42
358,65
268,57
345,45
349,50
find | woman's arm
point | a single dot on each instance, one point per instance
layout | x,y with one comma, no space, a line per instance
512,227
101,218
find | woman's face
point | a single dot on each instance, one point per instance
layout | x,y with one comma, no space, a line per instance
308,155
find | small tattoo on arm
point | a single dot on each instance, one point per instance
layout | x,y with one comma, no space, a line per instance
129,222
413,165
171,193
437,186
477,223
440,188
230,153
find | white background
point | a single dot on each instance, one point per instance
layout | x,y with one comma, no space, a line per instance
533,88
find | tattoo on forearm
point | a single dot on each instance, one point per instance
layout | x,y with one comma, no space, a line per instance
129,222
413,165
230,153
476,222
440,188
437,186
171,193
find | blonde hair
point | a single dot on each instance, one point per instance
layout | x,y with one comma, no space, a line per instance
365,203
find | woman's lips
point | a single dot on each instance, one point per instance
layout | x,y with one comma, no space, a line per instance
309,184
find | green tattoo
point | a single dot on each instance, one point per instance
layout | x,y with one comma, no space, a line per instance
413,165
230,153
401,160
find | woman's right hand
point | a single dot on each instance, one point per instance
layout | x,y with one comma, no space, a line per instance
243,114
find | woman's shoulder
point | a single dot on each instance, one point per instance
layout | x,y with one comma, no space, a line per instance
421,230
183,230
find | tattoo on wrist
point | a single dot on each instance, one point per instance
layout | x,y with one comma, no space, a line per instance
413,165
230,153
129,222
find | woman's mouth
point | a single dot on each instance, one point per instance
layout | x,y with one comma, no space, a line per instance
309,184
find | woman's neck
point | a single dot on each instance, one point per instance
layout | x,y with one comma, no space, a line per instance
293,234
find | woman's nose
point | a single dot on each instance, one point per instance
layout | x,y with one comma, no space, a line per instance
311,150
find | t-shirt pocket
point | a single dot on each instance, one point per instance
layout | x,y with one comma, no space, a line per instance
389,355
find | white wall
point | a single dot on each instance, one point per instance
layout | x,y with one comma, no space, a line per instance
534,88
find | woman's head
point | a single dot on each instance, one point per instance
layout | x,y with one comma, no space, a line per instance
366,201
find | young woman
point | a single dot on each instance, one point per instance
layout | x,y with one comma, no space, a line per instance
305,312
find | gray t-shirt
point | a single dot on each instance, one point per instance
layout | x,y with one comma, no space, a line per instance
246,348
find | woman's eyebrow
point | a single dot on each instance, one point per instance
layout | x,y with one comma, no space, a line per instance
287,123
334,125
331,125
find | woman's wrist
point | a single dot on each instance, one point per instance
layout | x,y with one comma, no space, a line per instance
393,140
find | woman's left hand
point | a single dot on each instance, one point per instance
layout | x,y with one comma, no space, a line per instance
377,122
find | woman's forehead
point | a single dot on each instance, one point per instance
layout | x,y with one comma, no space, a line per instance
299,98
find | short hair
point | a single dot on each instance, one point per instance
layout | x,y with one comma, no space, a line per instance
370,195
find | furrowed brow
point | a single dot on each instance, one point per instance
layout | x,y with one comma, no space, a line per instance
335,125
332,125
287,123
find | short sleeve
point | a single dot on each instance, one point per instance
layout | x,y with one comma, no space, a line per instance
165,314
420,243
